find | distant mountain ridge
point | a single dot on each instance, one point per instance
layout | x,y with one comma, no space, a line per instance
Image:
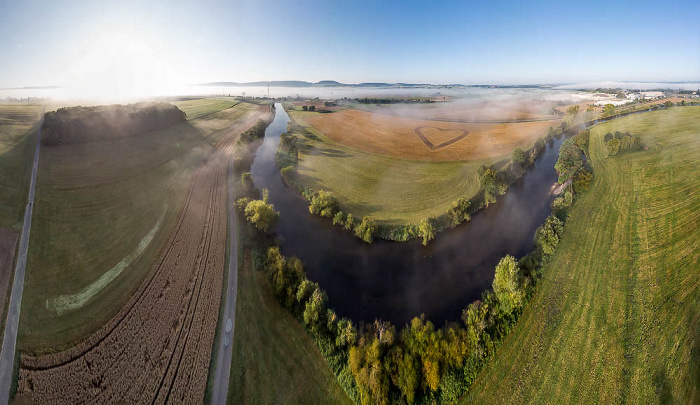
325,83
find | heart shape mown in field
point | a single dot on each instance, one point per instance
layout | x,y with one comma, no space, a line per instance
438,134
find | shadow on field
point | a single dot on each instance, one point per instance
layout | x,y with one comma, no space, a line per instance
309,148
14,171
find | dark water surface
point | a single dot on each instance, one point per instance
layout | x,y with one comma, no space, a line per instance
397,281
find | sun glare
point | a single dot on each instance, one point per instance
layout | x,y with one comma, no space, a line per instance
118,66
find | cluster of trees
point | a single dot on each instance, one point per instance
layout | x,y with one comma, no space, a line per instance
378,364
572,156
256,132
244,154
619,142
608,110
260,213
287,154
492,184
324,203
71,125
308,107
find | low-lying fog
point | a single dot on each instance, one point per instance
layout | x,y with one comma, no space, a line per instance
564,93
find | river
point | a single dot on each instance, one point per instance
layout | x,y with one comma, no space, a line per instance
397,281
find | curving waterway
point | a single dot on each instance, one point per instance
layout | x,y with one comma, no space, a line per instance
397,281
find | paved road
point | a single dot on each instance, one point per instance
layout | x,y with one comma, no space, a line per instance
224,351
7,356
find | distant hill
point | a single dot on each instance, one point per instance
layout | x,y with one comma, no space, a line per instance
324,83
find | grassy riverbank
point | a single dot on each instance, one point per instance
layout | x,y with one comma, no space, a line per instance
617,315
390,190
274,359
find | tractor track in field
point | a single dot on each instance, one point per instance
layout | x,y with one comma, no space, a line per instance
157,349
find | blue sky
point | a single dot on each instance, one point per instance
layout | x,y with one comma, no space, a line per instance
59,43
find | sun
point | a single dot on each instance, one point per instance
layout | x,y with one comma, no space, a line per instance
119,66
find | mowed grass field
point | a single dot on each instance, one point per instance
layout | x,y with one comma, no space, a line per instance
388,189
200,107
18,129
101,206
616,318
397,136
274,360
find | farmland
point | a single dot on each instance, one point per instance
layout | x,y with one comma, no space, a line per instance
151,207
372,179
617,315
197,108
501,110
17,140
18,129
400,137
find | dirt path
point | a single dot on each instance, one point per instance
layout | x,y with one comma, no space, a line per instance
9,341
158,348
222,370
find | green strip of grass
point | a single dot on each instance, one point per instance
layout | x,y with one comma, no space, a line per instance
616,318
203,106
18,129
274,359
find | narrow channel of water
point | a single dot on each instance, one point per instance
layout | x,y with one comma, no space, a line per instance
397,281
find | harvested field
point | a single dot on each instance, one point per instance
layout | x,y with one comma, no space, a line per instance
157,348
397,136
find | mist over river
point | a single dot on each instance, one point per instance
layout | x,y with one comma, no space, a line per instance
398,281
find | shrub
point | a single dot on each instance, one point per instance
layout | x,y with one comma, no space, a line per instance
613,146
507,284
350,223
460,211
547,236
339,218
261,214
366,229
287,171
324,204
426,230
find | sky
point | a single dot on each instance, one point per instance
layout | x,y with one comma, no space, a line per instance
150,45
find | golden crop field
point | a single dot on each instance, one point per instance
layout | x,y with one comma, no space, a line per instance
417,139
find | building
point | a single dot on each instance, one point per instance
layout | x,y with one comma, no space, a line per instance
652,95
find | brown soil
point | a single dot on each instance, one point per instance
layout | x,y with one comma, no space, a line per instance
8,243
158,347
396,136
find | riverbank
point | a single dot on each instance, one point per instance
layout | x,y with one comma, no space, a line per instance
398,281
302,142
617,308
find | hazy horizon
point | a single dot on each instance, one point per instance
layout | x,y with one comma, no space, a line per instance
132,49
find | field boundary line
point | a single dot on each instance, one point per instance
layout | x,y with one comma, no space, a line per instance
9,341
